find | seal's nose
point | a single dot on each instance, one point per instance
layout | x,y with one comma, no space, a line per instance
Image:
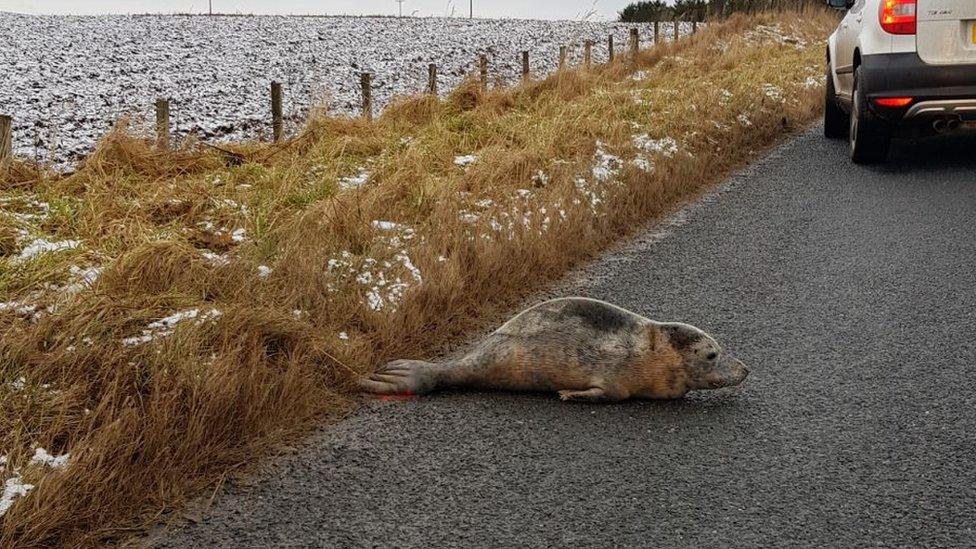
739,371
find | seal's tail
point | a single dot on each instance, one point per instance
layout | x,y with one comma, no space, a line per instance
402,377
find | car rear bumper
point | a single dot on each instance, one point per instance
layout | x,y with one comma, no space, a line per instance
942,107
937,91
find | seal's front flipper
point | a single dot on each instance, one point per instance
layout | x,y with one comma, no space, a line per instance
593,394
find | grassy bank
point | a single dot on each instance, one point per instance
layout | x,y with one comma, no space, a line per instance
168,317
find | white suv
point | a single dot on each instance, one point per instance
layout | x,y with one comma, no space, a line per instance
900,68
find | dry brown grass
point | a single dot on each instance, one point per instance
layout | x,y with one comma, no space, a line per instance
150,425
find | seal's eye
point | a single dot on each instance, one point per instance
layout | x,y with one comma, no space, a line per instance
712,356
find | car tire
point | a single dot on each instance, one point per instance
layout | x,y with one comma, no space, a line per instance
836,122
870,136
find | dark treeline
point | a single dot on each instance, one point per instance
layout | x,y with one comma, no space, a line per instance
659,10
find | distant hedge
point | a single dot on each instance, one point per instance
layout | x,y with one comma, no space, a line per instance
659,10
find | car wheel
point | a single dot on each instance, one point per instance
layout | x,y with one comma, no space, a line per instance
836,121
870,136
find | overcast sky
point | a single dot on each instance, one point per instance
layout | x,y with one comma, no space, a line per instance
541,9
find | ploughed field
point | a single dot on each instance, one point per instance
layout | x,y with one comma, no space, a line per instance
69,79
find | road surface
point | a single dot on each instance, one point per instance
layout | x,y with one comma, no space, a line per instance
850,292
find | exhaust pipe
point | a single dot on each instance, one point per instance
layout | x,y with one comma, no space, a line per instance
946,125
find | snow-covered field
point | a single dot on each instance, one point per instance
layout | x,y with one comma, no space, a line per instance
66,80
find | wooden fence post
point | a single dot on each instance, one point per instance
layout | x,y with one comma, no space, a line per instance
483,69
432,79
277,124
162,124
525,65
6,140
588,53
366,79
677,33
657,31
562,57
610,44
634,42
694,23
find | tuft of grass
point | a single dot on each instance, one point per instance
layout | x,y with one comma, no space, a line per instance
220,302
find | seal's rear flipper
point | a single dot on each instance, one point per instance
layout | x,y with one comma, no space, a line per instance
402,377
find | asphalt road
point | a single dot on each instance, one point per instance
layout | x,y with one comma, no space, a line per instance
850,292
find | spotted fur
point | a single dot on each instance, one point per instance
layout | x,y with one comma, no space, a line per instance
584,349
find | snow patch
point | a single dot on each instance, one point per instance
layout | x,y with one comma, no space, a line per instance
465,161
215,259
165,326
388,226
775,33
773,92
666,146
468,217
19,308
40,246
540,178
13,488
815,82
355,181
84,278
382,280
642,163
42,457
607,166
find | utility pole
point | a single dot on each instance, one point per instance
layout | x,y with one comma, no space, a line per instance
401,6
471,5
211,8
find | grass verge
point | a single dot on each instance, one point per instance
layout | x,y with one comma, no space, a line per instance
167,317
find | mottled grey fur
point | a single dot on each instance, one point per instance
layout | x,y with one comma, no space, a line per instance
583,348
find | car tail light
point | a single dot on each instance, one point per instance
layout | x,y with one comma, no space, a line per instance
893,101
898,16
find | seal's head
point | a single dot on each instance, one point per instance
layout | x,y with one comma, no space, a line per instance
706,366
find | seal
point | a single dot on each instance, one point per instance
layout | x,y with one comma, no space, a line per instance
583,349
